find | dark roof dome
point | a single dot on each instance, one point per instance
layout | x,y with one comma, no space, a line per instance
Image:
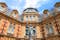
30,10
57,4
3,3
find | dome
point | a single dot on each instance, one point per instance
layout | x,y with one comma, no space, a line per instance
30,10
3,4
57,4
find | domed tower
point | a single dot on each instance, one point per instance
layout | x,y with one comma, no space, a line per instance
14,14
3,7
30,20
45,14
30,15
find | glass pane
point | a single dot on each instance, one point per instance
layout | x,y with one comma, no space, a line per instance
14,15
1,9
27,32
47,27
11,29
30,31
50,30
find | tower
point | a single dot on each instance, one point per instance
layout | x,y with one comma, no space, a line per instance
31,21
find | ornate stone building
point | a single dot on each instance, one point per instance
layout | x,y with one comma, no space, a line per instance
30,25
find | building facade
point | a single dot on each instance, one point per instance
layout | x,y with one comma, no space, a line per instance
30,25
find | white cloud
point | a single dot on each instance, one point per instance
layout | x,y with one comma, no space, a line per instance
34,3
15,4
20,5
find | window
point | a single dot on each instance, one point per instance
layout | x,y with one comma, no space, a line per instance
27,10
27,30
14,15
26,18
34,31
58,8
30,31
1,8
31,17
22,19
33,10
11,29
30,10
49,28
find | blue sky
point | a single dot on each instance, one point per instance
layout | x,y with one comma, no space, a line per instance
20,5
